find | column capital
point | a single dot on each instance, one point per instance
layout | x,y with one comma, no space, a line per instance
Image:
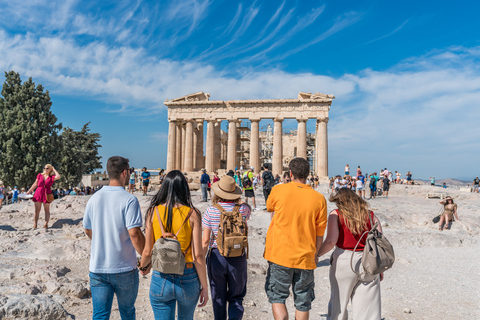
302,119
278,119
323,120
255,120
199,121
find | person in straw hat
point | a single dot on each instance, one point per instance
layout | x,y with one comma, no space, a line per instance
227,276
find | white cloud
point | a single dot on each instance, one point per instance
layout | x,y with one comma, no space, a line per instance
423,108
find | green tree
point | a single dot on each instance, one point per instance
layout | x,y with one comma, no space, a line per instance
78,155
28,131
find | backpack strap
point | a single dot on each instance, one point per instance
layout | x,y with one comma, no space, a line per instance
164,234
372,227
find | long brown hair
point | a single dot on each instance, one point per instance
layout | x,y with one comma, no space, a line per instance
352,208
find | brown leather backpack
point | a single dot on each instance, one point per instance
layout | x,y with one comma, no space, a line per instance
232,236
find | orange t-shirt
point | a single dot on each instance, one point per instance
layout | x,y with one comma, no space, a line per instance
184,236
300,216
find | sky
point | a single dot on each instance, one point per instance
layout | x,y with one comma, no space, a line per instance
406,75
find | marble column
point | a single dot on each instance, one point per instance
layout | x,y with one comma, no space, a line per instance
277,161
302,138
172,130
232,145
188,146
254,145
178,149
218,142
183,147
322,148
210,150
200,159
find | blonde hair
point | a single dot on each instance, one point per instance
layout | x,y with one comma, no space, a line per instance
352,208
49,166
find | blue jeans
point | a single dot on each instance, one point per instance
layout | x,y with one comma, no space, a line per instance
105,285
204,187
168,290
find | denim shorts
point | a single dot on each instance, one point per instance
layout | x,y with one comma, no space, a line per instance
278,283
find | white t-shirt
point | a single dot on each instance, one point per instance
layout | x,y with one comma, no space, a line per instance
359,184
399,175
110,213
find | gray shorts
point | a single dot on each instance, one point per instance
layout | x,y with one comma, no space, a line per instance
278,283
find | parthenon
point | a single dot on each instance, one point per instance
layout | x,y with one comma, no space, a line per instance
187,114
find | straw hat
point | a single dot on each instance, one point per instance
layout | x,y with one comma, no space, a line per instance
227,189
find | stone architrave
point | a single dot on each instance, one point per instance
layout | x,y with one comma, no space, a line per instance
178,149
210,150
302,138
322,147
277,161
171,145
232,145
188,167
255,144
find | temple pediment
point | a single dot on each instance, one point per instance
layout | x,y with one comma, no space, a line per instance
314,96
198,96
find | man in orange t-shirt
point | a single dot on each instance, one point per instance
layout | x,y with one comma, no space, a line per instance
293,239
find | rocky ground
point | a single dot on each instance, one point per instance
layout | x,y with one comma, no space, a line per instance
44,274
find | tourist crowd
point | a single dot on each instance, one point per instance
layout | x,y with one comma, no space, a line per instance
181,245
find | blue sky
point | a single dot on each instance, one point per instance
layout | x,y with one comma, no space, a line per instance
406,75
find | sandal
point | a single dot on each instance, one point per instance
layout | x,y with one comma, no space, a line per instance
441,229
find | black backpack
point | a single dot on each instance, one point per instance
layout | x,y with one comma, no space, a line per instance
269,182
373,182
247,182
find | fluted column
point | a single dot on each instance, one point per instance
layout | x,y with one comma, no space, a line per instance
188,146
200,159
183,147
172,130
254,145
210,150
302,138
178,149
322,148
277,162
232,145
218,146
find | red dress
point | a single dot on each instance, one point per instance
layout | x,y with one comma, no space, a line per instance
42,186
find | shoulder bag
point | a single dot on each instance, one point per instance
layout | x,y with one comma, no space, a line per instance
378,254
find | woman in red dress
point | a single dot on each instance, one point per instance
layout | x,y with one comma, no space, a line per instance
43,185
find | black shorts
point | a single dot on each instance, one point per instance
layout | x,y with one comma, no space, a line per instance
146,183
386,188
249,194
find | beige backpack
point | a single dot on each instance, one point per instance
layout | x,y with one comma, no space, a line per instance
232,235
167,255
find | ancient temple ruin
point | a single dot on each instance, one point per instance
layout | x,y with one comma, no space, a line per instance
245,144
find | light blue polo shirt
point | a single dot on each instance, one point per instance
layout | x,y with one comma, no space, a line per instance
110,213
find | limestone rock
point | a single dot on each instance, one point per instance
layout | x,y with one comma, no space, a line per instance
44,307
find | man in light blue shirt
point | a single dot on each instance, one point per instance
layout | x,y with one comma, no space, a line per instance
113,220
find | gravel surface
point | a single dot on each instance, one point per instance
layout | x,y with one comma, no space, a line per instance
44,274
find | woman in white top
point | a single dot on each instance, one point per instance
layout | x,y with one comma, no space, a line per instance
347,170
